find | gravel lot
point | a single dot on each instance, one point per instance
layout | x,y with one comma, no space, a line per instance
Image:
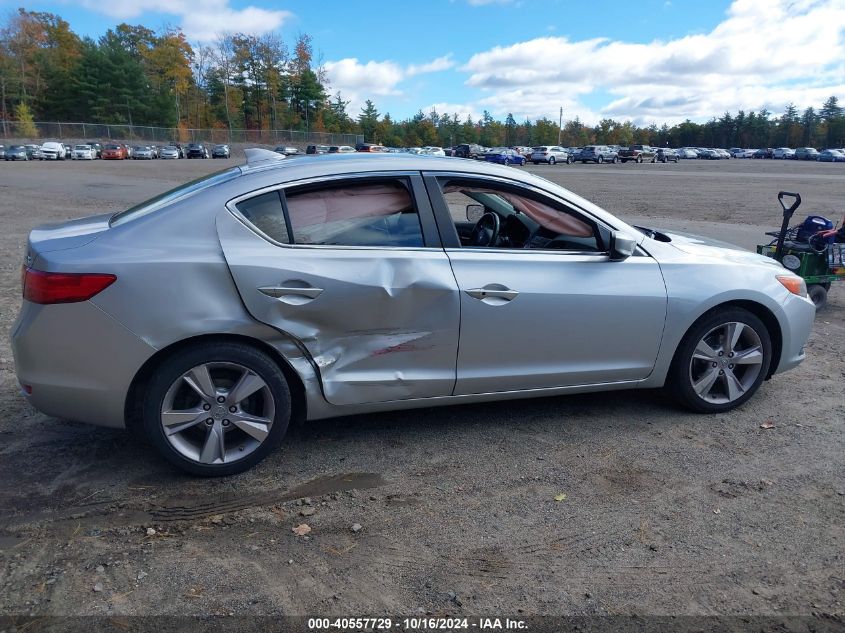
665,512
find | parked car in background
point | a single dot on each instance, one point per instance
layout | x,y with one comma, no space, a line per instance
196,150
743,153
221,150
638,154
179,149
240,324
2,151
831,156
341,149
432,150
708,153
763,152
688,153
469,150
169,152
52,150
34,150
598,154
370,148
783,153
287,150
317,149
83,151
667,155
97,147
550,154
16,152
143,152
504,156
723,153
806,153
115,151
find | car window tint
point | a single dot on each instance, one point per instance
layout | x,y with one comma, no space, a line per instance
527,220
266,214
372,213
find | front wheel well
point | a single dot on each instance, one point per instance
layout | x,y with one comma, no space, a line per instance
762,313
134,397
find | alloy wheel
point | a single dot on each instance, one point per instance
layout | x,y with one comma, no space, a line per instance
217,413
726,362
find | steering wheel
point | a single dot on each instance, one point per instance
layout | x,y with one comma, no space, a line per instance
486,230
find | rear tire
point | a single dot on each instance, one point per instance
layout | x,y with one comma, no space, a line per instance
600,160
169,392
704,377
551,160
818,295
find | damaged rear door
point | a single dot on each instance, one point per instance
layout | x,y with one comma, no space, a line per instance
353,268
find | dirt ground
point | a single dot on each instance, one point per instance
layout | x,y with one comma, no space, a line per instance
665,512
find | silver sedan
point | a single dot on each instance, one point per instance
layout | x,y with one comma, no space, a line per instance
211,316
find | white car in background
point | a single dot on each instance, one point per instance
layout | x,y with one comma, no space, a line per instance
433,151
83,152
53,151
169,152
783,153
687,153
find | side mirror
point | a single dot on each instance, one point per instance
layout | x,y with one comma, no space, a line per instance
474,212
622,246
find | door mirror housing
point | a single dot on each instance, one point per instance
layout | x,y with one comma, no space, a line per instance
622,246
474,212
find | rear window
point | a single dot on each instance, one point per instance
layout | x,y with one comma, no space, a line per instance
539,149
168,197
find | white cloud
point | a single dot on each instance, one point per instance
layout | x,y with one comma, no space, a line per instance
359,81
764,53
200,20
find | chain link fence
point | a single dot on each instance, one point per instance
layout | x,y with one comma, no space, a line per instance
104,132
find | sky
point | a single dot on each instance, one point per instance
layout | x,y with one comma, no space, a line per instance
649,61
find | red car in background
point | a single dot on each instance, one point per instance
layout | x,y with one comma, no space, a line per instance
115,151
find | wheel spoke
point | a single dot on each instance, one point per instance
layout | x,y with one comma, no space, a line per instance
732,333
248,384
178,421
254,426
200,381
735,388
751,356
703,351
215,445
703,385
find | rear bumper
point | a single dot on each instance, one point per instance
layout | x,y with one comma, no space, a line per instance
77,361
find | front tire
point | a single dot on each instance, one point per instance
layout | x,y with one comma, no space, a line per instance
551,160
721,361
216,409
600,160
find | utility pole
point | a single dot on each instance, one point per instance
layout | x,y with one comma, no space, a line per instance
560,125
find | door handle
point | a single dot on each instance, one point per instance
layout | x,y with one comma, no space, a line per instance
493,294
294,294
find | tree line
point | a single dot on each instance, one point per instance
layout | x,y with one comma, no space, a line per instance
134,75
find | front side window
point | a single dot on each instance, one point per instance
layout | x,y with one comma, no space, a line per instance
522,219
369,213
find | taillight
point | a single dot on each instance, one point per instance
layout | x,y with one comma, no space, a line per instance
46,288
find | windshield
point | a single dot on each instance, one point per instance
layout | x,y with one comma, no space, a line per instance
180,192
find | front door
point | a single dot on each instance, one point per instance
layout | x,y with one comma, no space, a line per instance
544,306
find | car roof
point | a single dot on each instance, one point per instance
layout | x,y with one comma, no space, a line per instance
266,173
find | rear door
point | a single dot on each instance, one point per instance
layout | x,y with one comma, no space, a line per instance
353,268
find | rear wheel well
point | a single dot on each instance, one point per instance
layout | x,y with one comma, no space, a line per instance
762,313
134,397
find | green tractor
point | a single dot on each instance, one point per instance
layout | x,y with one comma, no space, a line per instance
813,249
